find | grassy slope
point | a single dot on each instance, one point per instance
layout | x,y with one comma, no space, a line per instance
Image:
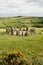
16,21
27,44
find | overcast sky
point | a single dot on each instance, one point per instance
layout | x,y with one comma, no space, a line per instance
21,7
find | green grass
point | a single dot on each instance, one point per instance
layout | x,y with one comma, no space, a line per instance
17,21
27,44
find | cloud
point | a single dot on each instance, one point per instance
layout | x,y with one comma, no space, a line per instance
21,7
36,2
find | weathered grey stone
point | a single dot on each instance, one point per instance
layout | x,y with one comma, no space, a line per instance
20,32
32,31
8,30
14,33
24,32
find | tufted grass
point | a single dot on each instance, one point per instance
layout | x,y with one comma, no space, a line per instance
32,44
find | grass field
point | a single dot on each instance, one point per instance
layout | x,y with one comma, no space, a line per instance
32,44
12,22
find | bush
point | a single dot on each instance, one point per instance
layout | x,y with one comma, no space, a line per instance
17,58
14,58
38,25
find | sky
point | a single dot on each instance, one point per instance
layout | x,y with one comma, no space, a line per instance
21,8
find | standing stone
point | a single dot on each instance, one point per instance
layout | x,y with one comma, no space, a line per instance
27,33
26,28
17,32
20,32
24,32
14,33
32,31
11,31
7,31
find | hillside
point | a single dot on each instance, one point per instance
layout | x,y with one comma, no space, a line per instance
21,22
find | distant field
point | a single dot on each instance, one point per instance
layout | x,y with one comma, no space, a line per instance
18,21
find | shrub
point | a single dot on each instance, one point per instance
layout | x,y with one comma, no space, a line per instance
38,25
17,58
14,58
